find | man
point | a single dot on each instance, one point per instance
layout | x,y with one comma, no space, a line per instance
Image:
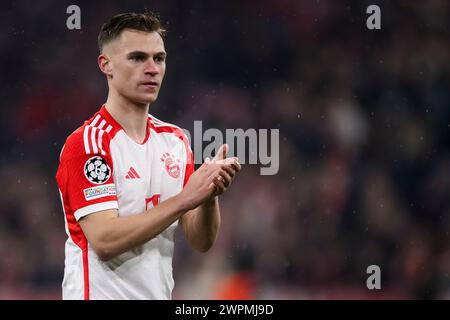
127,178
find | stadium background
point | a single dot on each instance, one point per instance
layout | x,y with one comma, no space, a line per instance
364,123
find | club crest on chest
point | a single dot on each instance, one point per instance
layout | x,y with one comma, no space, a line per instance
171,164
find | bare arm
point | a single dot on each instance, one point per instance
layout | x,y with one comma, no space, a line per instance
111,235
202,224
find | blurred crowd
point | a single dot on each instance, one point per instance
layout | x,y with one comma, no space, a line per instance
364,120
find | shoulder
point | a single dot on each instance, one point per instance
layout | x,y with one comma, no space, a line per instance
159,124
161,127
164,127
93,137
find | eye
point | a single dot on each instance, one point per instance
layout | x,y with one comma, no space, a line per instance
160,59
137,58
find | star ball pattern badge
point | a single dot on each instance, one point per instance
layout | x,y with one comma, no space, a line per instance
172,165
97,170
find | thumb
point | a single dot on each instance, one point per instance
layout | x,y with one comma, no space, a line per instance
221,153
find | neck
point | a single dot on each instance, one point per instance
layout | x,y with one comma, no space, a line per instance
131,116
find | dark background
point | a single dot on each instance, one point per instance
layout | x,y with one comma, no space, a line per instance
364,124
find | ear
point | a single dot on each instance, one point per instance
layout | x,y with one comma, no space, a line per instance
104,63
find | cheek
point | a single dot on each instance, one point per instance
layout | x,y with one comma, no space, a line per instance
163,71
127,78
122,72
126,74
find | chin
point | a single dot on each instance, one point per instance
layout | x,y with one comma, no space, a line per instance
147,99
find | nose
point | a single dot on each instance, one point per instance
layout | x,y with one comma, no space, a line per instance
151,68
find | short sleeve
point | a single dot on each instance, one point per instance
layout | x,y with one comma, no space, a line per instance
86,179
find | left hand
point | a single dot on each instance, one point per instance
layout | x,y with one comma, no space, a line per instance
226,176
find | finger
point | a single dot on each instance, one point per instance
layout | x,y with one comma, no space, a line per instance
225,178
207,160
212,186
215,190
220,185
236,164
230,170
229,160
221,153
214,172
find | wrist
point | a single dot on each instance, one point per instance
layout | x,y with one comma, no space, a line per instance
211,201
183,202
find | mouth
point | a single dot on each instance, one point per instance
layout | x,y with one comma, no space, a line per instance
150,84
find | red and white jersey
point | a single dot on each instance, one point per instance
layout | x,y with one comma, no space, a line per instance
102,168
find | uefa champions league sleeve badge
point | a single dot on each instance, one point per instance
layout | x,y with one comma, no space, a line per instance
97,170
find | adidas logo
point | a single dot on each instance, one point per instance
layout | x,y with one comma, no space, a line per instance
132,174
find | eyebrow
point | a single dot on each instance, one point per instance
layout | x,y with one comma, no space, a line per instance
144,54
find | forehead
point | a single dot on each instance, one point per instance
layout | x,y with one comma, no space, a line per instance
136,40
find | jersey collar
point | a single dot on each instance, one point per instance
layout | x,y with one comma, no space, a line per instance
116,125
